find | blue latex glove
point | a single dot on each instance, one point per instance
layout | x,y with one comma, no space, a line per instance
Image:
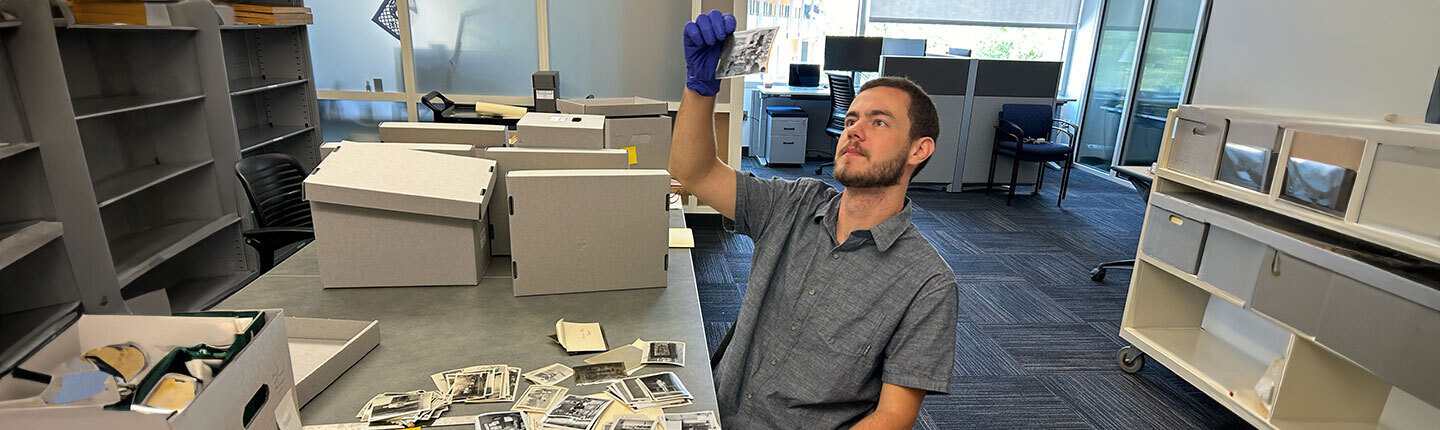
704,39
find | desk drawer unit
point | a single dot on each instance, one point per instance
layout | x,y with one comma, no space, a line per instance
785,135
1174,239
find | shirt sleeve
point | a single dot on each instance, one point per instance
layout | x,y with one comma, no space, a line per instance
921,354
760,203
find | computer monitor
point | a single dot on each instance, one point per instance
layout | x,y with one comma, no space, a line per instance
853,53
897,46
804,75
963,52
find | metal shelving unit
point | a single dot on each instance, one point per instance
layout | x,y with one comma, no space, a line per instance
118,178
270,84
1230,282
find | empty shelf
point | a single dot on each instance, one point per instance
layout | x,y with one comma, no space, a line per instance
138,252
27,330
198,294
9,149
20,239
244,86
91,107
1205,361
252,138
125,184
129,27
257,26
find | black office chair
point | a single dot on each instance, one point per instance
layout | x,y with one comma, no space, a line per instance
1023,134
273,184
1142,186
842,92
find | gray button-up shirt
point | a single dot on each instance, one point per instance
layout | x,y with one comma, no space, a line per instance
823,325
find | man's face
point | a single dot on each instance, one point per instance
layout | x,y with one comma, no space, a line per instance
875,145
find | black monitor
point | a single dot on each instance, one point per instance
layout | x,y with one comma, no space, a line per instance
804,75
897,46
853,53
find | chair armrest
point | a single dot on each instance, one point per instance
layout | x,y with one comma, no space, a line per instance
1066,132
1000,129
275,237
1066,123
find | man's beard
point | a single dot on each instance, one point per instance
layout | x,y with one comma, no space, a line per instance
884,174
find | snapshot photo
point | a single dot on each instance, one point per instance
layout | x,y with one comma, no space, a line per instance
633,422
665,353
508,420
599,373
398,405
703,420
663,386
550,375
538,398
575,413
746,52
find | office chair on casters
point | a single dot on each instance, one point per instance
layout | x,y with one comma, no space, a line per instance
842,92
1022,134
273,184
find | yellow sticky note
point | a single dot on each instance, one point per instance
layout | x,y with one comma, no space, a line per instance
631,151
682,238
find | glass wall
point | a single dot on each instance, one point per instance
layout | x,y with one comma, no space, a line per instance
803,27
349,51
612,68
1110,82
1163,72
356,120
1009,43
475,46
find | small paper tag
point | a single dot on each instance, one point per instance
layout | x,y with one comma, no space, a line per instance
630,150
545,94
287,417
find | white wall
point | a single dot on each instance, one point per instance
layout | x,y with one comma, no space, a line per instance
1345,57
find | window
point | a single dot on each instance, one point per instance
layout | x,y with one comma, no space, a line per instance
612,68
474,47
803,27
1009,43
350,51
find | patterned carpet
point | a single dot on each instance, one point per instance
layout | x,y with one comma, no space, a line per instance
1037,339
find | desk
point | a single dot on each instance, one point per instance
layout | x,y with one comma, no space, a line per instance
814,100
1139,176
425,330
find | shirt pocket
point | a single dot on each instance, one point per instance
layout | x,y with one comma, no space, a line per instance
847,324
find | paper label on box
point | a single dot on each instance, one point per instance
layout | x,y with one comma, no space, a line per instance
630,151
287,417
545,94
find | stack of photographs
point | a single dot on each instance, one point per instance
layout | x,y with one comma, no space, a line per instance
404,409
660,390
575,413
479,384
703,420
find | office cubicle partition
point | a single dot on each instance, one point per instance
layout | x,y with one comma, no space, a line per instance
947,80
996,83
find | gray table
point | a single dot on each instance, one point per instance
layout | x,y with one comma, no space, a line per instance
425,330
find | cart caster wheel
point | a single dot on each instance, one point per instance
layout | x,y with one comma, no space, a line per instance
1131,360
1097,274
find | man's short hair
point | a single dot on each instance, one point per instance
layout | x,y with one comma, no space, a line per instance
924,119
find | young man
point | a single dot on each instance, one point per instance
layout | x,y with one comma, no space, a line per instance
849,317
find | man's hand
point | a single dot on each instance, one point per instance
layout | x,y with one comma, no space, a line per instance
898,408
704,39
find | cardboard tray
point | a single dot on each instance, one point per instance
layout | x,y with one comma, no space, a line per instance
613,107
323,349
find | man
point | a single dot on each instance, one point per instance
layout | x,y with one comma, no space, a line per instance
849,317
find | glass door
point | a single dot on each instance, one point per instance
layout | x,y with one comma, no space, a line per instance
1110,82
1125,108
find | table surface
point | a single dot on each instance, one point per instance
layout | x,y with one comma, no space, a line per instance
426,330
1134,171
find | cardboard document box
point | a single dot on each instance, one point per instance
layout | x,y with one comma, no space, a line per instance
588,230
477,135
438,148
515,159
614,107
1174,239
558,130
323,349
646,139
1400,176
257,378
394,217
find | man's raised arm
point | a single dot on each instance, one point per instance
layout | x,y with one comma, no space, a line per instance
692,149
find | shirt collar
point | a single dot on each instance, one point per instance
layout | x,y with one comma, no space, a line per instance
885,233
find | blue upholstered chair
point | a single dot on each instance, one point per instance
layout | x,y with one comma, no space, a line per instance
1023,133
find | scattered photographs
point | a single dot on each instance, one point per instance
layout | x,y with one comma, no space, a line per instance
631,355
746,52
664,352
509,420
632,422
599,373
479,384
550,375
703,420
660,390
539,398
404,408
575,412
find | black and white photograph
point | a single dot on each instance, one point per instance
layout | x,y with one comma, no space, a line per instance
746,52
550,375
469,385
575,413
632,422
599,373
398,405
703,420
665,353
508,420
539,398
663,386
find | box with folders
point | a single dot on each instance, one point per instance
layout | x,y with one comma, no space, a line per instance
1248,157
